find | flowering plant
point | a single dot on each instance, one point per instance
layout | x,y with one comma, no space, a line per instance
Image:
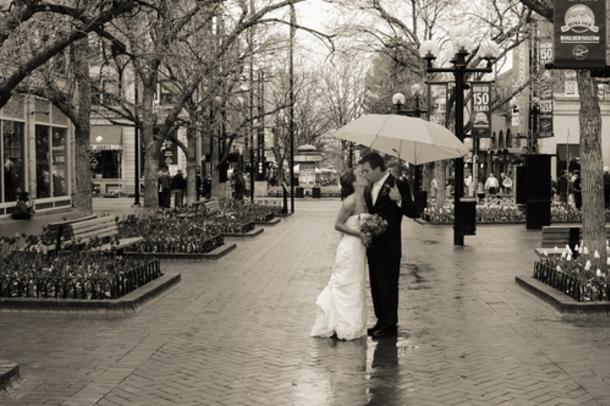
589,272
372,226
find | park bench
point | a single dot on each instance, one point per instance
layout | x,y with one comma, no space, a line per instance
559,236
55,231
99,228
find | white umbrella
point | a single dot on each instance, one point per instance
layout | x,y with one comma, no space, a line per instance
414,140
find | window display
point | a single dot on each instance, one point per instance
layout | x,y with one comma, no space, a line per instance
59,168
43,167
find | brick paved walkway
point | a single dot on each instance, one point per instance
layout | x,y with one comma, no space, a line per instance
235,332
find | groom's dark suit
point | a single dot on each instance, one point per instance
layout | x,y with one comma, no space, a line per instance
385,251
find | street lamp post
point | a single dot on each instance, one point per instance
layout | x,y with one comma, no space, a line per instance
398,100
463,45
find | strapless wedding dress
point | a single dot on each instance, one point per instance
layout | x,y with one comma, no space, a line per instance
341,306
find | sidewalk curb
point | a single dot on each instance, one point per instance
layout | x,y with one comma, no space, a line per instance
8,370
128,303
271,222
560,301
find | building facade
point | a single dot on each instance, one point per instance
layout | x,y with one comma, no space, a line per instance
36,146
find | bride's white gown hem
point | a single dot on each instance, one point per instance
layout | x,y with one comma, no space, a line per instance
341,306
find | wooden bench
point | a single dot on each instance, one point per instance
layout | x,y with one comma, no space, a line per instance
104,228
55,231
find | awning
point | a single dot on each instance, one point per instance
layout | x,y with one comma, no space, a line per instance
111,137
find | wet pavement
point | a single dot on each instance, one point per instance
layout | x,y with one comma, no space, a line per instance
235,332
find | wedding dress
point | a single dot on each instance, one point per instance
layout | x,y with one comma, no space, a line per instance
341,306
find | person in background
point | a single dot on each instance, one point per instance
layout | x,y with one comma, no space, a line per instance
492,185
165,189
23,208
576,188
507,184
239,185
178,188
206,188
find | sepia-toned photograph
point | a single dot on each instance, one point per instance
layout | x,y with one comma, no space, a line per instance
304,202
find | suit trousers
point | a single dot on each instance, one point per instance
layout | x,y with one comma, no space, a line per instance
383,275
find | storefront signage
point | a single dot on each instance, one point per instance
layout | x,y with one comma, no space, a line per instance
579,34
106,147
481,109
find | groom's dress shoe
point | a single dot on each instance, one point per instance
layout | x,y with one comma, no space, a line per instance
372,330
385,332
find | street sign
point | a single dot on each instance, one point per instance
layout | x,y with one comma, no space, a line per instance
481,109
579,34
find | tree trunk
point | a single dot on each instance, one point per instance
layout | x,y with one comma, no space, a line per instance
593,212
440,168
151,149
191,166
214,142
82,196
428,174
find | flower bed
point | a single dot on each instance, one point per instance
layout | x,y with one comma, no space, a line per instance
172,231
249,212
497,211
573,274
75,275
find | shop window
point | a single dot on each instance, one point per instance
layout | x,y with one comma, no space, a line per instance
571,87
13,160
59,169
51,163
106,164
166,93
43,167
104,91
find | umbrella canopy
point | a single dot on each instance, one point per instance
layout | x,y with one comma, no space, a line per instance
412,139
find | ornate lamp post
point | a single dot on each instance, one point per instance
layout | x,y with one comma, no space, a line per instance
462,46
398,99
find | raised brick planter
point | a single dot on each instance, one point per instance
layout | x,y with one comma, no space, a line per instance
216,253
127,303
8,370
271,222
559,300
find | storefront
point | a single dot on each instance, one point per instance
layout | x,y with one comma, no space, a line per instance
35,146
106,158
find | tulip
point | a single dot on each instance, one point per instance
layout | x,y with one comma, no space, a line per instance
588,265
598,273
577,248
585,250
596,255
558,268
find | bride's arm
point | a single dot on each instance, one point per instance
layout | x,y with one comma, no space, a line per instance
347,208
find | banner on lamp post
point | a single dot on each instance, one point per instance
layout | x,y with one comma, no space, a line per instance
481,109
545,117
579,34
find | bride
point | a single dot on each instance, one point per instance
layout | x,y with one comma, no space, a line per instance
341,306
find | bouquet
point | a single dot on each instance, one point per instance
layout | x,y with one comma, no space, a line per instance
372,226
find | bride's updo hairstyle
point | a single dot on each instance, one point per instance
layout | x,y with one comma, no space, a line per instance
347,183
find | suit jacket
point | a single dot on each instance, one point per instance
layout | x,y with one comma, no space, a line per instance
389,243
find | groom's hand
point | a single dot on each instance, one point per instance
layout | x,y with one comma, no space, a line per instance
395,194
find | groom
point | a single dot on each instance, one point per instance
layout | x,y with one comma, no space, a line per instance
389,198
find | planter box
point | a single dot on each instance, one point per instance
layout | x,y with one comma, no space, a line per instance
271,222
560,300
8,370
216,253
127,303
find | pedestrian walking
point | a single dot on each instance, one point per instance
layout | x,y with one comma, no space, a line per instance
178,188
239,185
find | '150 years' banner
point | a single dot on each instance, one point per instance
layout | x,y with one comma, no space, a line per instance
580,34
481,109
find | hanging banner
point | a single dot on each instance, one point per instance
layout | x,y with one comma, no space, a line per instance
481,109
579,34
545,117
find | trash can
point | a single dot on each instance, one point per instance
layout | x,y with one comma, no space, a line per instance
299,192
466,216
315,192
